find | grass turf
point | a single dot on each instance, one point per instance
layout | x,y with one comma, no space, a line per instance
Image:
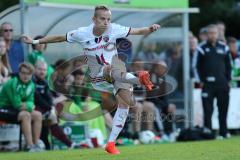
204,150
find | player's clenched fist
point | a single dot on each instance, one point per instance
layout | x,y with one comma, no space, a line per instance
154,27
27,39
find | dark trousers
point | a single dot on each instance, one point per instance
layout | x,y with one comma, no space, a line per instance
222,96
9,114
44,135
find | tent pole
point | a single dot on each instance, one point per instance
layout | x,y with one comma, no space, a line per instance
186,73
22,16
23,25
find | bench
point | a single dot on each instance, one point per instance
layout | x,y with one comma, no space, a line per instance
20,133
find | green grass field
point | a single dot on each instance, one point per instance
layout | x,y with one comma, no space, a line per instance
205,150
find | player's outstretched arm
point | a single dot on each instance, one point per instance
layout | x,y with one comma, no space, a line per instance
144,30
48,39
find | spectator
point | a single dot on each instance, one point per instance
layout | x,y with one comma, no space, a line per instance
61,77
15,52
44,104
233,48
4,72
203,34
58,84
37,54
17,105
214,69
143,113
173,59
79,92
193,42
78,63
167,110
84,95
148,54
221,31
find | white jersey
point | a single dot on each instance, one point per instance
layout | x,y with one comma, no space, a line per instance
98,50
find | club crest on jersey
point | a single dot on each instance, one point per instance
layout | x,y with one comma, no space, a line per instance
106,38
98,40
207,49
220,51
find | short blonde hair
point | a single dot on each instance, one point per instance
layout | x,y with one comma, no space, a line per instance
27,66
102,7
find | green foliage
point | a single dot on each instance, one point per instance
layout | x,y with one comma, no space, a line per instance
4,4
212,11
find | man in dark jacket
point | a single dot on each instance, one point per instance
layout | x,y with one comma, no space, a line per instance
214,69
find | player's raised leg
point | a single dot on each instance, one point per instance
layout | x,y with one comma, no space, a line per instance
117,72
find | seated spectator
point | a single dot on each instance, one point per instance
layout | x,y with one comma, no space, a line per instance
4,72
166,109
80,90
44,104
37,54
17,105
58,85
78,63
84,96
142,115
174,60
15,51
61,78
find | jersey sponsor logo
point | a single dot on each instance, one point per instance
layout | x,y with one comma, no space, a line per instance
110,47
107,47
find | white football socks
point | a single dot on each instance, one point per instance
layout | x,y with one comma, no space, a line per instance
118,123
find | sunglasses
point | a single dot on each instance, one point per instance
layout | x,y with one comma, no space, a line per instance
8,30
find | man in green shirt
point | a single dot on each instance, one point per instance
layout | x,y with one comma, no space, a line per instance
17,105
37,54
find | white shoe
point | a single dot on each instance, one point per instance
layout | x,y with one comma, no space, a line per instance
165,138
32,148
220,138
228,135
75,145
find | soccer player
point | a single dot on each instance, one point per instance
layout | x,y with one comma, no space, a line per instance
106,69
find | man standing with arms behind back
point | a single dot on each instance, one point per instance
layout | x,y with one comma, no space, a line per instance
214,69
